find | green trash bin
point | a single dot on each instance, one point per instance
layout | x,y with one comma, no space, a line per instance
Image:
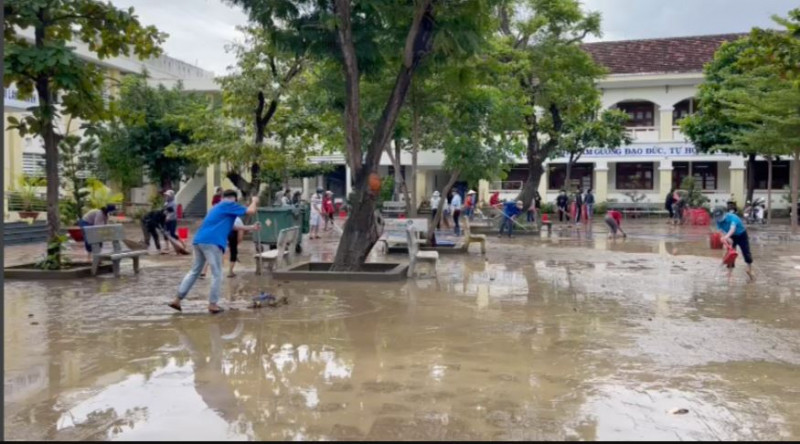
306,208
275,219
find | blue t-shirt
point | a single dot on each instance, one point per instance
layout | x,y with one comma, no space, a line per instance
510,209
218,224
731,219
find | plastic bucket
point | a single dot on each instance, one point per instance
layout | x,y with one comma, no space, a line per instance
730,257
183,233
716,241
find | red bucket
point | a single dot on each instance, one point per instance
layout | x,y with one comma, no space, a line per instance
183,233
716,241
730,257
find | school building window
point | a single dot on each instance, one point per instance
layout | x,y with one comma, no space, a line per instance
581,176
780,174
704,173
33,164
641,113
635,176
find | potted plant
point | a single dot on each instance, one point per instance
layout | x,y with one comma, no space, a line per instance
28,195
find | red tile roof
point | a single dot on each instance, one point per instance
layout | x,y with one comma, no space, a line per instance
667,55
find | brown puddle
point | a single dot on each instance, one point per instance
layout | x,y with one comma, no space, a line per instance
560,338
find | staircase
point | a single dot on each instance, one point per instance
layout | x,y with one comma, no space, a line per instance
196,209
19,233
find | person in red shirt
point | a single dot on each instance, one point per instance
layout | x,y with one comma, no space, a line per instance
327,209
494,200
614,222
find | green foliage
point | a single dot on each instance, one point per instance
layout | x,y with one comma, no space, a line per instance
601,208
591,131
63,81
692,193
100,195
55,258
27,190
135,142
387,189
548,208
77,161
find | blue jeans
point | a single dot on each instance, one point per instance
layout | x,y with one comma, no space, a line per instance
589,210
507,222
204,253
82,223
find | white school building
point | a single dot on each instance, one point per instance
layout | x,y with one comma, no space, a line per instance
654,81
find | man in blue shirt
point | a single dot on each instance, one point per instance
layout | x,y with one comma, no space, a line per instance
511,210
733,230
209,245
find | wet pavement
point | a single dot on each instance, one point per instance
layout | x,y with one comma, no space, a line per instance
569,337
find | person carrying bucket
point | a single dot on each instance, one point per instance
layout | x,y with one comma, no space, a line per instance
734,234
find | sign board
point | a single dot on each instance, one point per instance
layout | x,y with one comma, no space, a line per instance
655,151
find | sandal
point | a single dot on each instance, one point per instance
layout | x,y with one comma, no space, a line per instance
175,306
231,275
218,310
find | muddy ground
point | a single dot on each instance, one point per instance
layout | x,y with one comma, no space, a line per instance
569,337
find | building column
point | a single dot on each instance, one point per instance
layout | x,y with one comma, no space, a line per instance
665,176
543,183
483,190
737,180
348,182
601,181
306,187
210,187
665,127
420,187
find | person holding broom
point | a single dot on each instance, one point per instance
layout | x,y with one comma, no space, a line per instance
734,234
511,210
209,245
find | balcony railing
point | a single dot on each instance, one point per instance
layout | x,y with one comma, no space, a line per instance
677,135
511,185
644,133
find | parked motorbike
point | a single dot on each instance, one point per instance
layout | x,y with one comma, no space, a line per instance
754,211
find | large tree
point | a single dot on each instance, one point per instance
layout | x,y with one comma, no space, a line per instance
261,128
364,37
556,77
709,128
63,82
134,142
750,95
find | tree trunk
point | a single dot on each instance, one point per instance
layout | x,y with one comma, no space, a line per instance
795,186
568,177
46,108
432,224
769,189
360,231
398,176
239,182
537,154
751,177
414,151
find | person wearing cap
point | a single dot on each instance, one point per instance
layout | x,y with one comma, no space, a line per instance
93,218
469,205
435,200
511,210
209,245
316,214
170,218
734,233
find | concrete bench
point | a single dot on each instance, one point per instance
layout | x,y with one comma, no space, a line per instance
95,236
637,208
288,238
470,238
415,255
393,208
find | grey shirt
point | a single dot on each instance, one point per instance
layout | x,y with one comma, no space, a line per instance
171,210
95,217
